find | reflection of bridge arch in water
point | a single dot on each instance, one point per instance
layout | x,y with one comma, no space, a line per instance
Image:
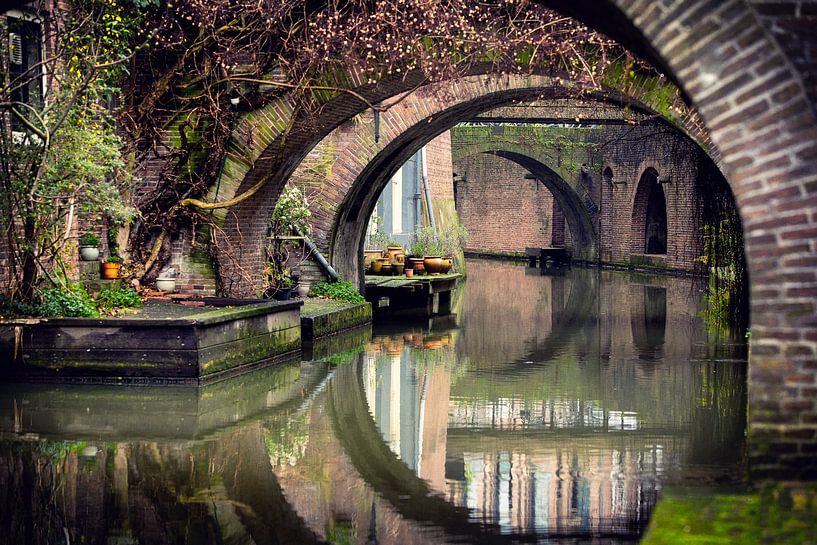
411,496
221,470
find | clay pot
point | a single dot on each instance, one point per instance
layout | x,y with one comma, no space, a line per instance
397,268
448,263
433,264
416,263
110,271
377,265
409,273
386,269
369,256
396,254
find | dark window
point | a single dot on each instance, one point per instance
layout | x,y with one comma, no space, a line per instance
25,69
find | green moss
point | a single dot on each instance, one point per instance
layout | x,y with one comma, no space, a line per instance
775,514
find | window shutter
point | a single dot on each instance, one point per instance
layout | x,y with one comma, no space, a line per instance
15,48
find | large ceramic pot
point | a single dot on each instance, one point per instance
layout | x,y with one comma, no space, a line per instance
110,271
433,264
397,268
387,269
416,263
448,263
166,284
396,254
89,253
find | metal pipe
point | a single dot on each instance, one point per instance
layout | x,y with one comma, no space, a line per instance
426,189
324,264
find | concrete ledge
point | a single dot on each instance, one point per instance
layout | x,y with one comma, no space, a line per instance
183,347
321,317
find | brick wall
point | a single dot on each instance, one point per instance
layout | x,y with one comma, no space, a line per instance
503,212
612,204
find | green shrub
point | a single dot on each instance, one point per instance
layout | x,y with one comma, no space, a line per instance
89,239
118,298
341,290
114,259
72,302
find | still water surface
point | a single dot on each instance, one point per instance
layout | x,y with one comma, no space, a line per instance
550,409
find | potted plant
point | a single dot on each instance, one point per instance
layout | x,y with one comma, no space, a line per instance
89,247
280,283
166,284
111,267
289,221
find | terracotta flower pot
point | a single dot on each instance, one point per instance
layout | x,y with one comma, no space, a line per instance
448,263
416,263
409,273
433,264
110,271
369,256
396,254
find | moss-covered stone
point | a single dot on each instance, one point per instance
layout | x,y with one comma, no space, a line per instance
324,317
776,514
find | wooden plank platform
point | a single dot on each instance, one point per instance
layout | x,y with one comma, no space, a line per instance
428,295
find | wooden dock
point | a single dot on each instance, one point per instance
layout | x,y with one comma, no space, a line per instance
428,295
547,256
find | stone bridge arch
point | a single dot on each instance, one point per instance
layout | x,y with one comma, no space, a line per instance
746,79
566,194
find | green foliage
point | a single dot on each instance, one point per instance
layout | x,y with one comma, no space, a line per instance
89,239
291,214
72,302
114,259
453,238
341,358
342,291
425,242
290,217
376,237
109,299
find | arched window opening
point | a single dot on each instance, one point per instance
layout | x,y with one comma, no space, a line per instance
655,229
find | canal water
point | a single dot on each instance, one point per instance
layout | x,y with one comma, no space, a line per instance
548,409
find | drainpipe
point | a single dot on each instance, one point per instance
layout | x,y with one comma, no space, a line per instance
324,264
426,189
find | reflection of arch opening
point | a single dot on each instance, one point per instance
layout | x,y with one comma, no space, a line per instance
649,219
649,322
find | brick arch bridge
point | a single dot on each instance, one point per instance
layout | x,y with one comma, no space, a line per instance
348,169
742,64
565,187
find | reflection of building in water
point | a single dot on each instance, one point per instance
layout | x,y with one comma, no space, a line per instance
530,414
571,488
488,457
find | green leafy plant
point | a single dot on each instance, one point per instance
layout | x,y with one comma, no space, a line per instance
113,259
425,242
341,290
290,217
109,299
71,302
376,237
453,238
89,239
